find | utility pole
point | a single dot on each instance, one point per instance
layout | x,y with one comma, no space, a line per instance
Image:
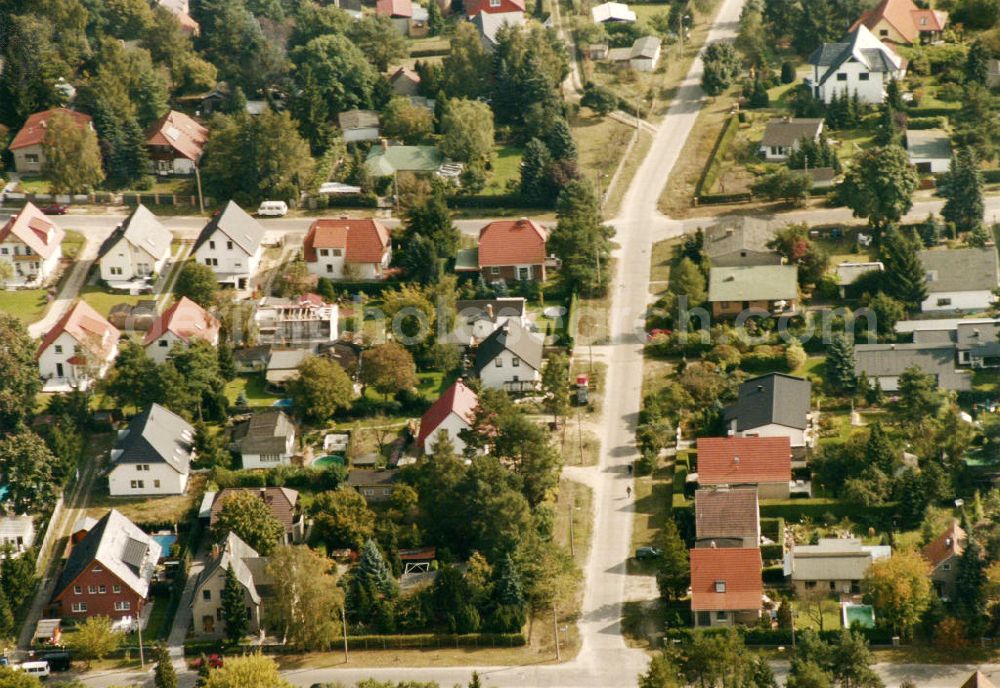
201,200
579,435
343,619
142,659
555,629
572,545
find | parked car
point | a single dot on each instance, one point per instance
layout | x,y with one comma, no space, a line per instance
213,661
39,669
648,553
273,209
58,661
55,209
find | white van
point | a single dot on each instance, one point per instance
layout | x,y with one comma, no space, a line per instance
39,669
273,209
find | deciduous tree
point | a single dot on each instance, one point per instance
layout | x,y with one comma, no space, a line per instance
164,676
900,589
72,156
19,381
320,389
248,671
95,638
197,282
468,131
308,603
342,519
879,186
722,66
248,516
388,368
29,469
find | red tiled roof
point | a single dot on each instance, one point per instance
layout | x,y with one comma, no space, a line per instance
404,72
365,240
946,545
34,229
474,7
33,130
738,568
87,327
180,132
904,16
748,460
512,242
458,399
394,8
187,320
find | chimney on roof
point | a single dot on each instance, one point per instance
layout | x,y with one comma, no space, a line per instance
736,460
385,143
489,311
712,545
947,542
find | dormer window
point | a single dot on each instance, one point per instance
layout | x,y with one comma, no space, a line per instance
720,586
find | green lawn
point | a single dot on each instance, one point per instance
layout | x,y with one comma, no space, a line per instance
27,305
102,301
253,387
814,365
34,185
506,167
72,244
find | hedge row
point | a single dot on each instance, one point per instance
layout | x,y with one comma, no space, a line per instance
991,176
925,122
497,201
816,509
780,636
772,528
369,642
773,575
711,171
772,552
919,112
720,198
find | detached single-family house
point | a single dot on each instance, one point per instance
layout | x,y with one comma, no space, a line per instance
848,273
885,363
409,19
137,249
978,344
283,365
860,63
943,553
725,518
772,405
978,680
78,349
358,125
303,321
250,570
613,12
782,137
452,413
502,7
903,23
152,456
642,56
17,533
477,319
184,322
510,359
388,161
232,245
348,249
175,143
726,586
961,279
508,250
404,81
282,502
26,147
182,11
929,150
31,244
374,486
835,565
488,25
753,289
108,572
740,241
765,462
266,440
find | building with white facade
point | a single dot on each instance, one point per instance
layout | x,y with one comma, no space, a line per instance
152,456
265,440
77,350
184,322
510,359
342,248
232,245
860,63
962,279
452,413
772,405
137,249
30,244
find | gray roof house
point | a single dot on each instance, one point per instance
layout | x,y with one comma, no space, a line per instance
250,571
978,344
929,150
489,24
740,241
283,365
859,63
265,439
509,358
886,362
232,245
773,405
137,248
358,125
374,486
783,136
771,288
961,279
727,517
153,455
833,565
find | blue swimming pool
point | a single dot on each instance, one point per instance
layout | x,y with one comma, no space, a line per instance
166,541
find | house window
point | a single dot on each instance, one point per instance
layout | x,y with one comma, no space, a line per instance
810,585
156,483
142,467
337,253
3,251
31,157
720,586
212,262
494,3
79,607
211,244
863,76
208,623
218,614
499,362
163,343
97,569
946,567
841,77
229,245
495,270
329,268
324,251
883,32
77,590
91,589
137,485
721,616
206,594
944,302
116,271
123,606
833,585
102,589
516,362
116,588
58,348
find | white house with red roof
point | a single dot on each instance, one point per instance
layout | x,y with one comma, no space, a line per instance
30,243
348,249
452,413
508,250
507,7
903,23
765,462
726,586
184,322
175,143
29,156
78,350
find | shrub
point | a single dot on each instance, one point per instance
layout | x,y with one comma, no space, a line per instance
787,72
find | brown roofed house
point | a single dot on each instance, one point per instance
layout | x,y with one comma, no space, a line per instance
405,81
283,503
726,586
175,143
29,158
727,518
342,248
943,554
374,486
512,250
762,461
903,23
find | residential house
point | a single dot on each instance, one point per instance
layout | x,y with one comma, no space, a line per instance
597,51
78,349
885,363
477,319
502,7
753,289
453,412
859,63
929,150
152,456
404,81
374,486
175,143
182,323
510,359
642,56
772,405
306,320
409,18
726,518
835,565
782,137
963,279
726,586
613,12
26,147
16,533
138,316
358,125
137,249
343,248
510,250
821,177
108,572
283,365
848,274
251,359
182,11
903,23
978,344
351,7
232,245
740,241
388,161
266,440
488,25
765,462
282,502
31,243
944,553
250,570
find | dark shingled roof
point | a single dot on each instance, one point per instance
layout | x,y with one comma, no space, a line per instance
157,435
774,398
724,514
236,224
264,433
142,230
514,337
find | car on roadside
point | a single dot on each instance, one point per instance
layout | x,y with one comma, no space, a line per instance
648,553
272,209
55,209
213,661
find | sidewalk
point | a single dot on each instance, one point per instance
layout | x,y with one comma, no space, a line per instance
182,618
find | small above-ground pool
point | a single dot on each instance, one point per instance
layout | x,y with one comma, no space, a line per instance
283,403
329,460
166,541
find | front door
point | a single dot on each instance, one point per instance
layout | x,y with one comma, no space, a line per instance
59,370
208,623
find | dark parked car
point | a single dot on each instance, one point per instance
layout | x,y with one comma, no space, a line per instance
648,553
55,209
58,661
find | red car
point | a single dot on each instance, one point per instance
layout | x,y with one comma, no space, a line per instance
213,661
55,209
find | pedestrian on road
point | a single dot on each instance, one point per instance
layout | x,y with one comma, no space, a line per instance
628,492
